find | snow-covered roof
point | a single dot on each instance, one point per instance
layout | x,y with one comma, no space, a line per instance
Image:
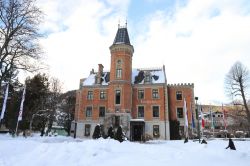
137,120
156,75
91,79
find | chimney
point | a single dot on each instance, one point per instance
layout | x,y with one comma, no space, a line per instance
100,69
99,74
92,71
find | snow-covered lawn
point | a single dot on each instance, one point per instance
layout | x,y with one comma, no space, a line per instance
66,151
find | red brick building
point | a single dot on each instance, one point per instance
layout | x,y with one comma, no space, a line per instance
140,100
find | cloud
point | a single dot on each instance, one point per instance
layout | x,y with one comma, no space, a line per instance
78,36
198,41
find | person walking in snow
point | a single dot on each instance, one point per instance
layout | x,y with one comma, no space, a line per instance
203,141
231,145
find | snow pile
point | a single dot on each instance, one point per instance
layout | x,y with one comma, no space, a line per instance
65,151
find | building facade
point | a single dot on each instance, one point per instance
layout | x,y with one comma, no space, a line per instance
139,100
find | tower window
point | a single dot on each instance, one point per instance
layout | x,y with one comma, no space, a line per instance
178,95
119,62
118,73
117,97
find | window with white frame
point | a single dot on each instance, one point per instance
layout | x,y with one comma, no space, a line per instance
179,112
156,111
102,94
101,111
140,94
88,111
147,78
87,130
90,95
178,95
156,131
140,111
155,94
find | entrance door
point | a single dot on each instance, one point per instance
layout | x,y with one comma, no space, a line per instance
138,132
137,129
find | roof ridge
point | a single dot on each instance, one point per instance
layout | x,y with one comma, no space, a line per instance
150,68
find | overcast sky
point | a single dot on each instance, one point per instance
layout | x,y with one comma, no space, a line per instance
197,40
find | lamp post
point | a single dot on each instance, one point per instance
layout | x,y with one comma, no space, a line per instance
197,117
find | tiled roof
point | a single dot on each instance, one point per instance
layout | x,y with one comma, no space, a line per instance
122,36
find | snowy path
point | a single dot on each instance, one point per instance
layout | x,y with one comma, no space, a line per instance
63,151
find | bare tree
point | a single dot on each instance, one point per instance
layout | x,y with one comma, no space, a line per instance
237,84
55,92
68,101
53,100
19,48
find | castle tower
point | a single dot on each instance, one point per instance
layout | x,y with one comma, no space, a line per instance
120,88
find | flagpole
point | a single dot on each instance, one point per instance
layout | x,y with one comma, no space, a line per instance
191,119
212,121
21,108
17,127
202,128
202,121
4,104
224,120
186,119
197,117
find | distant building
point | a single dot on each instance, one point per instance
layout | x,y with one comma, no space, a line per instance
140,100
217,121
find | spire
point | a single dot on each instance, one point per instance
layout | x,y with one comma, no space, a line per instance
122,36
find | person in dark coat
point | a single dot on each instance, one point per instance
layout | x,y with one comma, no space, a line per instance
231,145
203,141
186,140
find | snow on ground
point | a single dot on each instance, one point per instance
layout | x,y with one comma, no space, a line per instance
66,151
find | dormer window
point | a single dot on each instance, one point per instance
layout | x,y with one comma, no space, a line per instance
147,78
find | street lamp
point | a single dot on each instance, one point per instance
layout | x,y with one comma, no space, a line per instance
197,117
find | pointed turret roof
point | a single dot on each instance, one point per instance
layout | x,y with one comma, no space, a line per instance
122,36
